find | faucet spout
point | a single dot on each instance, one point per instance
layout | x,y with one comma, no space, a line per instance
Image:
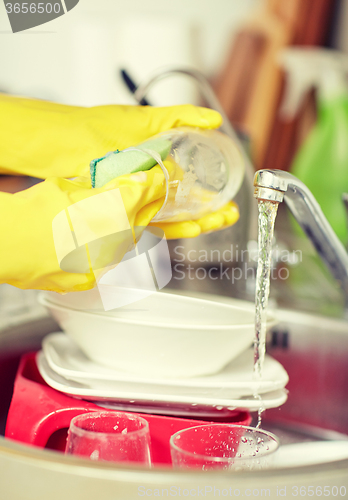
276,185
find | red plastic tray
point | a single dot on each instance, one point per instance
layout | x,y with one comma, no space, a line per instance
40,415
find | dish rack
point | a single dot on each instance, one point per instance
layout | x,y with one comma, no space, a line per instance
40,415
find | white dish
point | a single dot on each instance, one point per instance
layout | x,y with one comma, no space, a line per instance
123,392
66,359
163,335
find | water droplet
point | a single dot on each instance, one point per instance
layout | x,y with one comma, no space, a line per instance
94,455
244,440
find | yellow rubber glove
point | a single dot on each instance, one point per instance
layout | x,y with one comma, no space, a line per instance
43,139
28,252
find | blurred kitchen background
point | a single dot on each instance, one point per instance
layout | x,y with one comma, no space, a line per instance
77,59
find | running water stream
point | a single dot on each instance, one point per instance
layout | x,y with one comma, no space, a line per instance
267,215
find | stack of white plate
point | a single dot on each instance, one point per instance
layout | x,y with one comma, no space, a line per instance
167,351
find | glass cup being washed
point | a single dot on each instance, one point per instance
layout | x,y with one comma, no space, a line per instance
205,171
110,436
223,446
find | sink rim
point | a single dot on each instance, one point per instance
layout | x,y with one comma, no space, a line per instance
49,459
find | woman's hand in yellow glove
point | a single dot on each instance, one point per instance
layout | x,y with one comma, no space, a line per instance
39,228
48,231
43,139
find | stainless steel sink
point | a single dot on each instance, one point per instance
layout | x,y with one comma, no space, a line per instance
314,351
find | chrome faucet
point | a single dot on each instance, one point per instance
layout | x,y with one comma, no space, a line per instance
276,186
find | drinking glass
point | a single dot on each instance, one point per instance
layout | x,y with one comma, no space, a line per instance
223,446
110,436
204,170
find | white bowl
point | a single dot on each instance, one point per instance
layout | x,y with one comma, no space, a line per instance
163,335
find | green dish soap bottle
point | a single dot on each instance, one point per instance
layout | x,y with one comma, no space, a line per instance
322,161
